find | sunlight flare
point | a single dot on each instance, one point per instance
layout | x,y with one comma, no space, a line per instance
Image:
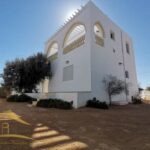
45,134
41,128
47,141
69,146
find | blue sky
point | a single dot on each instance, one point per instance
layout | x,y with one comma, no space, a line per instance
26,24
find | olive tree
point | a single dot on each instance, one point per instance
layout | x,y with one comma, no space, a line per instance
114,86
23,75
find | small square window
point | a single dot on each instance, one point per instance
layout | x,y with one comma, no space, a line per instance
127,48
112,35
126,74
68,73
114,50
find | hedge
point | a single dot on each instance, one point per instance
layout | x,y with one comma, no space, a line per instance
96,104
54,103
20,98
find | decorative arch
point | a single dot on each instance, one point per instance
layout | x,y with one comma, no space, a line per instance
53,50
99,34
75,37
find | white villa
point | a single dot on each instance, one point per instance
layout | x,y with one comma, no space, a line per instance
83,52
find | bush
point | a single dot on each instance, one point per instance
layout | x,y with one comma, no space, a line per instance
96,104
54,103
25,98
43,103
12,98
20,98
136,100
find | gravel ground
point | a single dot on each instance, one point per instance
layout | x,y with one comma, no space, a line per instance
119,128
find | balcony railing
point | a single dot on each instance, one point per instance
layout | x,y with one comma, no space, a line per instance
77,43
53,57
99,40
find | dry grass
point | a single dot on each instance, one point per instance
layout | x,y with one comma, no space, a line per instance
119,128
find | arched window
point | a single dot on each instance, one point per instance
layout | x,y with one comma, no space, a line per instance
99,34
74,38
53,51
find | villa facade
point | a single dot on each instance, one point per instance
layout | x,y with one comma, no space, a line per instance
83,52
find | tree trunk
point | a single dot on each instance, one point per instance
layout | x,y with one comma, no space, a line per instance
110,100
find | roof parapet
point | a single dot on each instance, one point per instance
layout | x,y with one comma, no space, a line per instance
68,20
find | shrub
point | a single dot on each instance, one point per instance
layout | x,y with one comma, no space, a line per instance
96,104
136,100
12,98
43,103
54,103
25,98
20,98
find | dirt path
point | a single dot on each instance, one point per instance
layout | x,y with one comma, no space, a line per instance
119,128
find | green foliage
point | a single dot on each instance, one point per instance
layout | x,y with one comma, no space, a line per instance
114,86
96,104
20,98
12,98
54,103
23,75
43,103
136,100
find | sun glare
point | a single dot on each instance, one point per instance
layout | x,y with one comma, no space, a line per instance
70,13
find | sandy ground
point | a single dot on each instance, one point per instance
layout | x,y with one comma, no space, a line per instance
119,128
